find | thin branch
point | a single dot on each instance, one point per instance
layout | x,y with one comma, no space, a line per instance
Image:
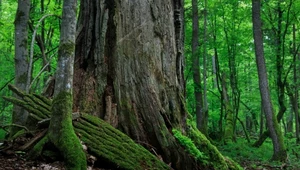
28,85
6,83
45,66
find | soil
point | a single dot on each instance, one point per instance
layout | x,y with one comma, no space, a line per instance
18,162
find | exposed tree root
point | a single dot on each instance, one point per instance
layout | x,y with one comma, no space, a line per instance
107,143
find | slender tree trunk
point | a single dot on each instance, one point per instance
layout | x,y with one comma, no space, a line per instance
61,132
218,78
279,63
279,151
229,113
290,117
261,127
205,103
19,115
196,69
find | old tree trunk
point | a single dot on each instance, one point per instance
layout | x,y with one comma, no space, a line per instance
129,72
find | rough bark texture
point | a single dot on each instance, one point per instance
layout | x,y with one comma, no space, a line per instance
21,65
279,151
132,52
129,71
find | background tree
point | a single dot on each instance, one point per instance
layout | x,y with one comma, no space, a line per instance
205,102
196,70
21,62
279,151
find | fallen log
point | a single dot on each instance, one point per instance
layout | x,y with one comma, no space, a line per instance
102,140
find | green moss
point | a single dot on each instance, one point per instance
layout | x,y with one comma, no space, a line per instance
47,102
228,135
2,134
62,135
282,154
189,146
38,148
67,48
18,134
114,146
216,159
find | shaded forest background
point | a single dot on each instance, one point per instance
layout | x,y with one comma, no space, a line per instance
233,116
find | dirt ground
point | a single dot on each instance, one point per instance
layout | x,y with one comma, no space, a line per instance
18,162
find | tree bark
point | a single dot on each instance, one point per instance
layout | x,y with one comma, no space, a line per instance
196,70
19,115
131,52
229,113
129,63
61,132
279,151
205,102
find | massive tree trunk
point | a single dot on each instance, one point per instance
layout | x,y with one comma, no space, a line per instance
279,151
129,71
19,115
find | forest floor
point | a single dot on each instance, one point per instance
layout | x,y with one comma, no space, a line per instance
252,158
248,157
18,162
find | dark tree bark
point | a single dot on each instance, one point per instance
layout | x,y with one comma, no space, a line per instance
205,103
279,151
196,69
19,115
129,71
278,34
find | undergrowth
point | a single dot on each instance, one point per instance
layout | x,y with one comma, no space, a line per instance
259,158
2,134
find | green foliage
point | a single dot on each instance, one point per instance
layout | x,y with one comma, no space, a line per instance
2,134
188,144
250,156
241,151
